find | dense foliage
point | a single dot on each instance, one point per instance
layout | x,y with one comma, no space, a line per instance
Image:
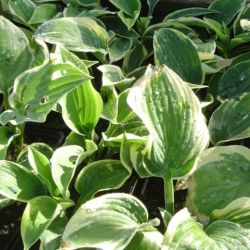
167,99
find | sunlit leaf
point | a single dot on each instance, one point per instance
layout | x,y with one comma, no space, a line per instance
15,55
19,183
100,175
172,114
221,176
231,120
37,216
114,218
74,33
170,46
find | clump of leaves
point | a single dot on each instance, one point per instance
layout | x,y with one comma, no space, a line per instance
165,98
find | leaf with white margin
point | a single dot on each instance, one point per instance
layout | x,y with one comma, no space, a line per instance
74,33
184,232
231,120
6,137
81,107
172,114
148,240
222,175
19,183
38,215
15,54
100,175
37,90
170,46
113,75
108,222
63,165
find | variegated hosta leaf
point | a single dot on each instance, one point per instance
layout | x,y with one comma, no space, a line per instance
15,54
108,222
235,81
64,162
148,240
184,232
231,120
74,33
129,11
38,215
170,46
6,137
81,108
100,175
172,114
223,175
228,10
19,183
37,90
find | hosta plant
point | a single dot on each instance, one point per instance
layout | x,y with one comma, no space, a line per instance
140,97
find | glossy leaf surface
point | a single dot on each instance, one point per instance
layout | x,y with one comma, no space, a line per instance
222,176
19,183
169,47
231,120
115,218
100,175
74,33
172,114
37,216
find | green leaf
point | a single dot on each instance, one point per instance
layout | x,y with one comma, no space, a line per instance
231,120
151,5
235,81
134,58
37,90
43,148
22,10
100,175
74,33
37,216
232,211
129,11
228,10
118,27
19,183
81,108
15,55
64,162
6,137
244,14
170,46
192,12
113,75
172,114
240,39
110,103
108,222
184,233
221,176
43,13
146,240
118,48
41,165
51,237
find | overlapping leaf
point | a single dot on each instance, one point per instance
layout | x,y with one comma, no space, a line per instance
170,46
231,120
222,176
15,54
74,33
115,218
172,114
